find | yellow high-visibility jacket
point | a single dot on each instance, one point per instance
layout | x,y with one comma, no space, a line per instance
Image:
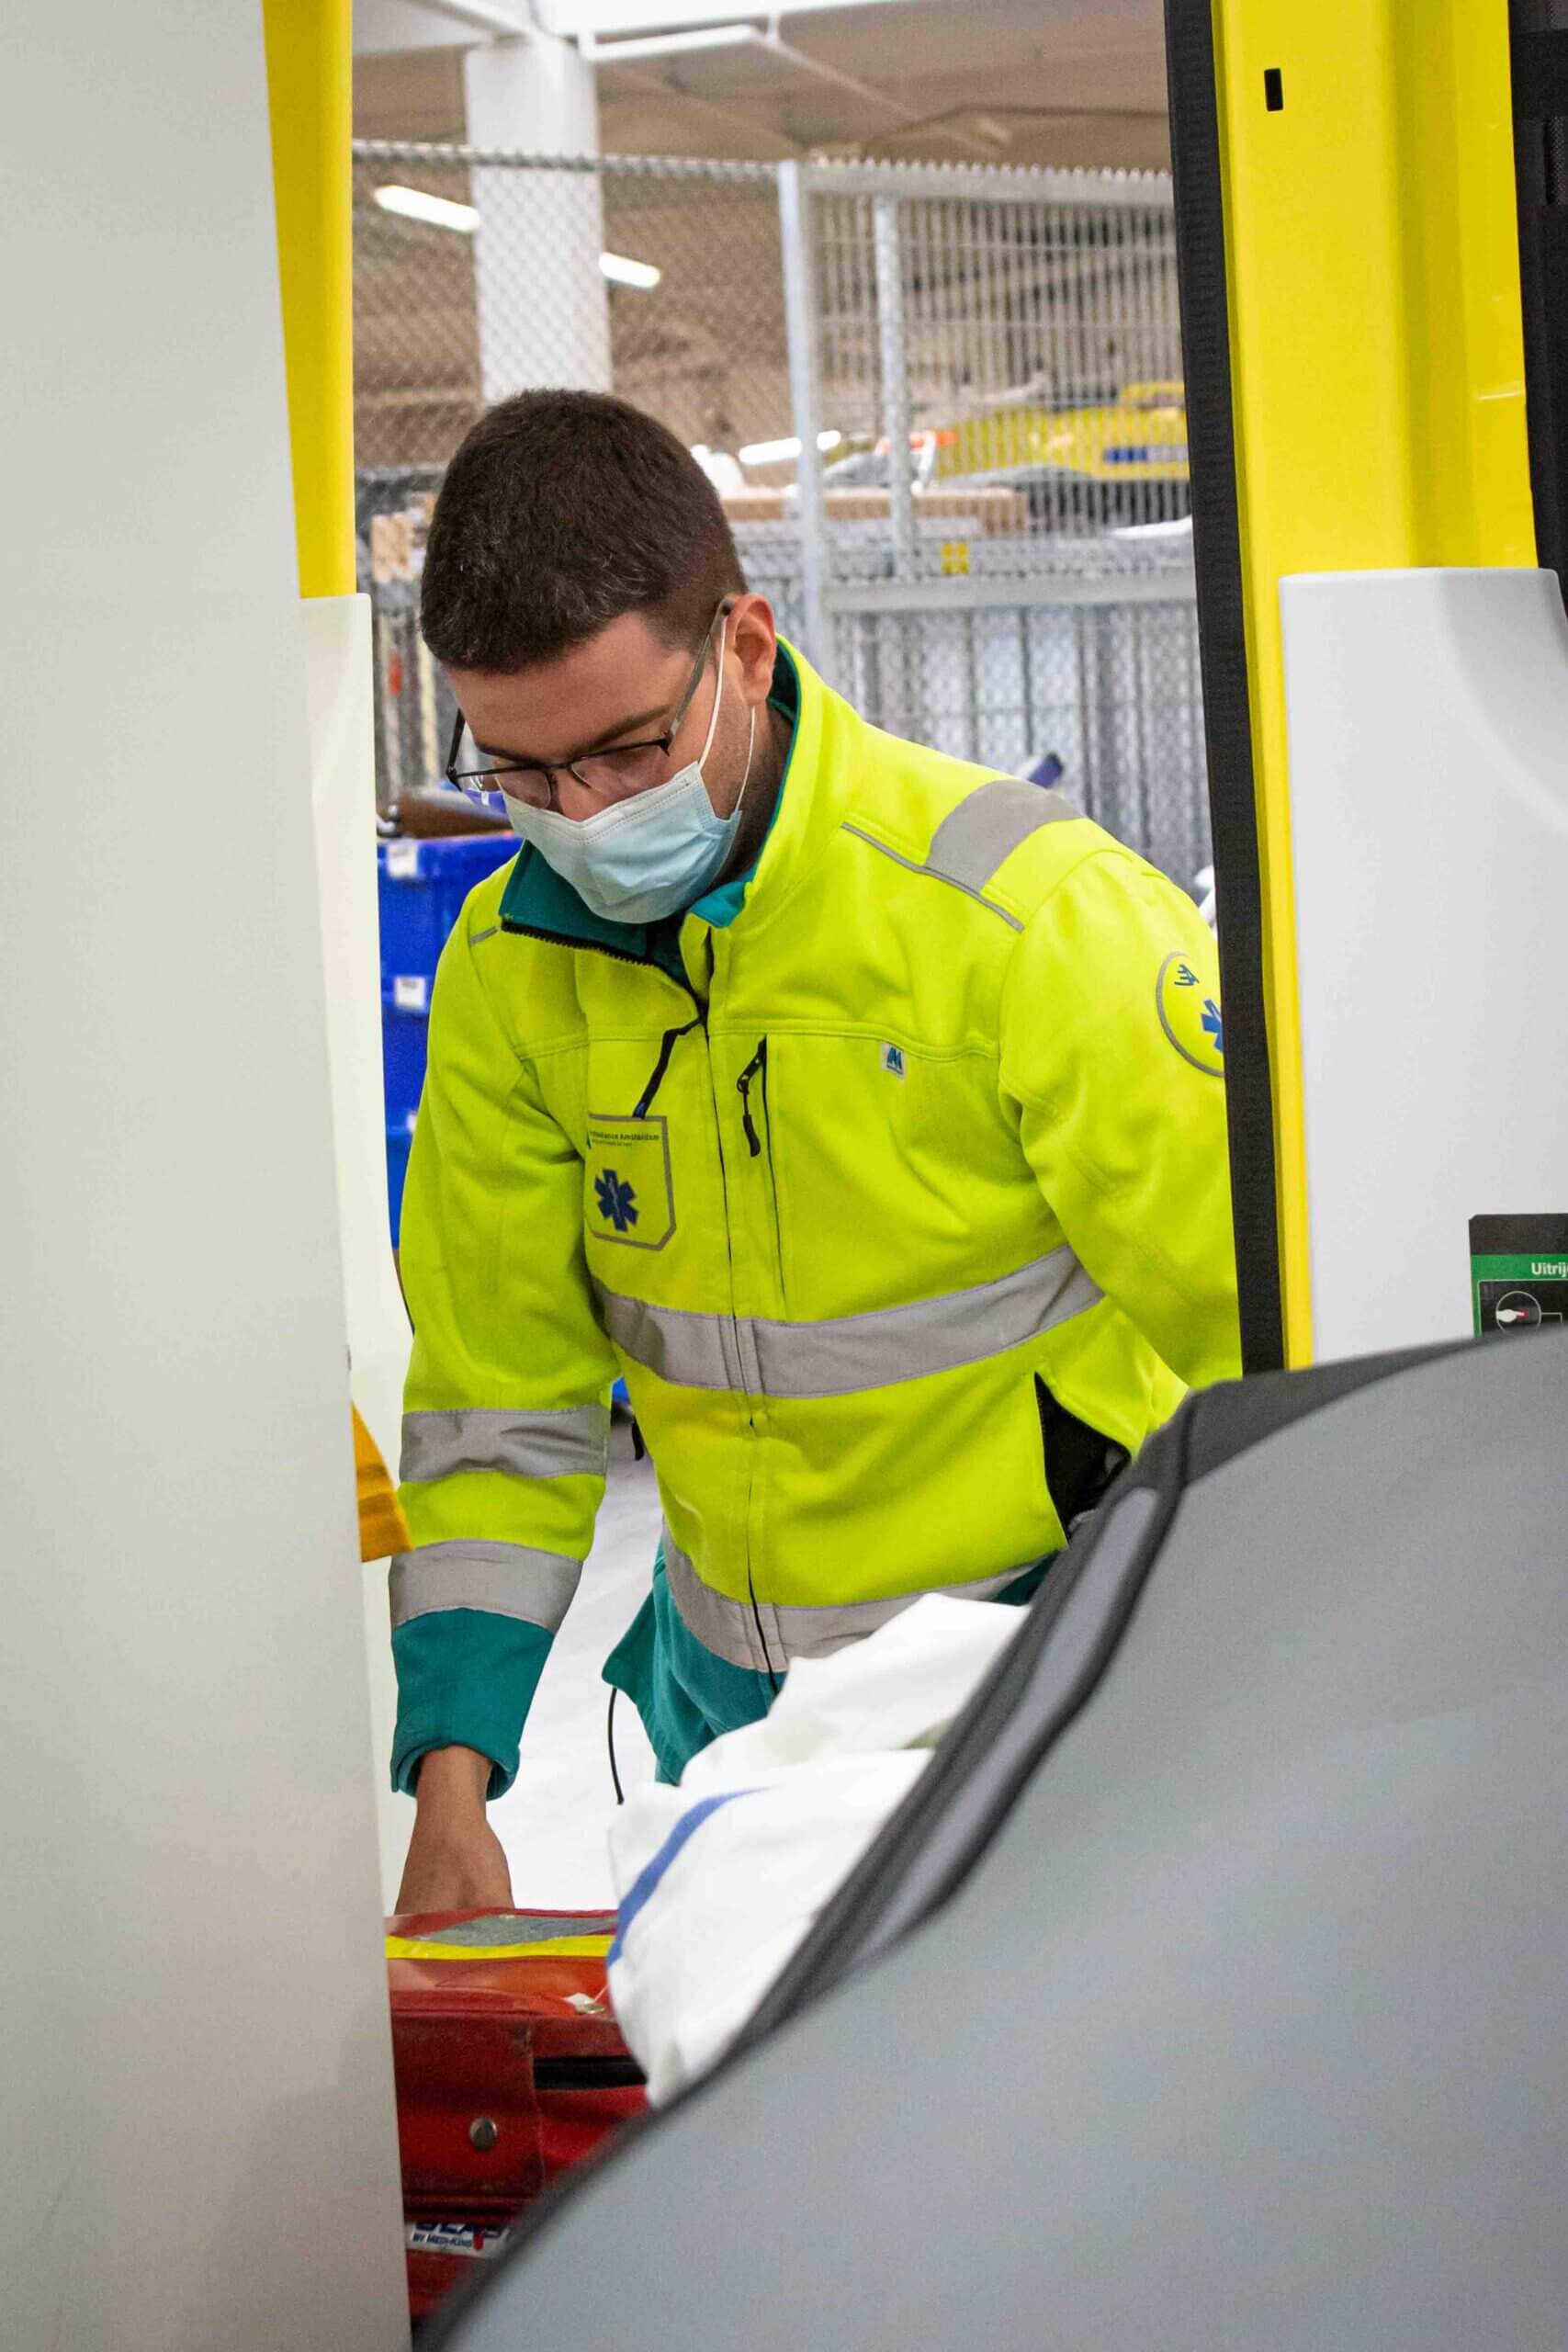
894,1178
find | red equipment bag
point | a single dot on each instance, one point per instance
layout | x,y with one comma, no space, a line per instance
509,2068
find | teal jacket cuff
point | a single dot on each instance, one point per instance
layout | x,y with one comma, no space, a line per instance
466,1678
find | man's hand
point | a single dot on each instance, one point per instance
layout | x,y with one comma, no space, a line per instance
455,1861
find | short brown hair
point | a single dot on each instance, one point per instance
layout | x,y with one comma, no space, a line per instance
560,512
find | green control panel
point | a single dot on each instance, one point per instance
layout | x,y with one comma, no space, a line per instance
1518,1271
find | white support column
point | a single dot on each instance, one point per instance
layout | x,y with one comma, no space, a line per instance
195,2072
544,306
797,254
893,346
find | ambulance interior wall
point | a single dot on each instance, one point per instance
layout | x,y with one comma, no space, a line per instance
194,2070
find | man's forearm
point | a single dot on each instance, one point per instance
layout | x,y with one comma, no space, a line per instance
455,1861
453,1781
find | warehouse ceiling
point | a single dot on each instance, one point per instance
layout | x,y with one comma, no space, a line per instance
1049,82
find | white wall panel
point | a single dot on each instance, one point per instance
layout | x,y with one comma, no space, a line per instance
342,770
194,2066
1428,745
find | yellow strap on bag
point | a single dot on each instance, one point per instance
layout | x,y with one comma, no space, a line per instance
558,1947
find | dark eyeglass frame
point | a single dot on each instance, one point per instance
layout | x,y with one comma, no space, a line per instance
465,777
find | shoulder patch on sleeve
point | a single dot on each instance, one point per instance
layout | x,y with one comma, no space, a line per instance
1189,1009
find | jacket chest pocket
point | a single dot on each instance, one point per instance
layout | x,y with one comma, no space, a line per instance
628,1191
896,1162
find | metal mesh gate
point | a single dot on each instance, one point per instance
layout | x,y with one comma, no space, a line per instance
944,407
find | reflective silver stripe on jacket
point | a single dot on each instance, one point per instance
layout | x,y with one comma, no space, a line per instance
768,1637
520,1445
974,840
850,1352
507,1579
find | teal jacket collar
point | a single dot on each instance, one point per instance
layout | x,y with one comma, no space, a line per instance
539,901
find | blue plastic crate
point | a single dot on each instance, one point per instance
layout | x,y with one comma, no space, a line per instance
420,887
410,939
423,885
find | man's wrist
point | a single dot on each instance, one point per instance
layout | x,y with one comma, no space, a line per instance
455,1780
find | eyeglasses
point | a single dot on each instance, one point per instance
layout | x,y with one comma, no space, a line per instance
615,774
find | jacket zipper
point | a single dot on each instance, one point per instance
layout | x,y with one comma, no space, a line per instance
598,947
756,1070
755,1074
667,1046
759,1067
754,1147
589,947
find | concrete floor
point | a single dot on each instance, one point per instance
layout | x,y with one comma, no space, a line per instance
553,1819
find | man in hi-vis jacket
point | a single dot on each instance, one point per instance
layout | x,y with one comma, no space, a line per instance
864,1108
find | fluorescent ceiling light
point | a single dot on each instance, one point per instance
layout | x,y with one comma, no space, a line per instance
779,453
438,210
621,272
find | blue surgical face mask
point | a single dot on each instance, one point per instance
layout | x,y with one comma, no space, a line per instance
644,858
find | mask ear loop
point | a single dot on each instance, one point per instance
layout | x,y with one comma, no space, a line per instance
718,697
713,729
750,747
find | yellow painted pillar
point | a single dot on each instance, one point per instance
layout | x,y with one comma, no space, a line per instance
1377,369
309,67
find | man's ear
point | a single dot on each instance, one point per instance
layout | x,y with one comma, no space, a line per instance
755,639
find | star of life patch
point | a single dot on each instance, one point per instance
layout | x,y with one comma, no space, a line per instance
1186,1000
628,1190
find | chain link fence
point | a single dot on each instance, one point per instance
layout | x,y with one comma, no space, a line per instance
944,407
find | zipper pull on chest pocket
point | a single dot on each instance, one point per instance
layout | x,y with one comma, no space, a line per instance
667,1046
755,1073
